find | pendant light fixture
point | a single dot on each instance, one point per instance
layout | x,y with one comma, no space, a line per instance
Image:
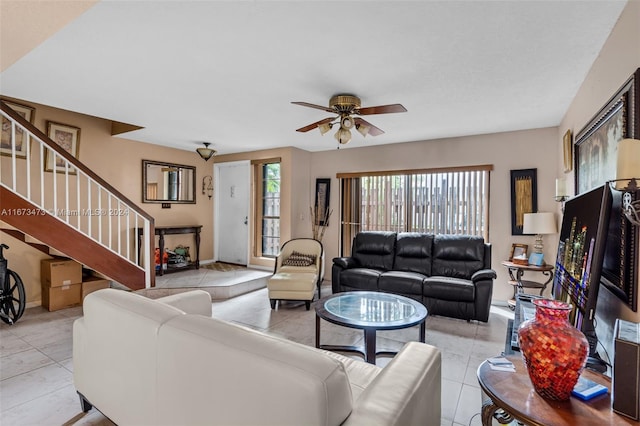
206,152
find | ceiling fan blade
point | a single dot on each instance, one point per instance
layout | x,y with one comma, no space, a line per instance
315,125
381,109
307,104
362,125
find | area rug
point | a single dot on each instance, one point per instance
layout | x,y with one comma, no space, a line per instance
223,267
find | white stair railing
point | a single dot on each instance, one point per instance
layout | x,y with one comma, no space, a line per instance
40,174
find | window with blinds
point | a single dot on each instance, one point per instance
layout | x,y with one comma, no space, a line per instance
438,201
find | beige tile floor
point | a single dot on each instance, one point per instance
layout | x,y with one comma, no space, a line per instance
36,383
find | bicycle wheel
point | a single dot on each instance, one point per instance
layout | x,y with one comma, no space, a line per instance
12,299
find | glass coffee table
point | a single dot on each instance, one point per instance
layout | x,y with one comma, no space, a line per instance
369,311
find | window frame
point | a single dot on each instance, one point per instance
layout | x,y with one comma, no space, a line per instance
259,199
354,218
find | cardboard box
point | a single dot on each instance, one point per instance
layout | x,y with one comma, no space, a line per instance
92,284
60,272
66,296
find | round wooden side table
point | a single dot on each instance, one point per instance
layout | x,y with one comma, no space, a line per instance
510,396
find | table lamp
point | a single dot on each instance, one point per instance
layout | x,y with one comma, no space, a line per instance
539,224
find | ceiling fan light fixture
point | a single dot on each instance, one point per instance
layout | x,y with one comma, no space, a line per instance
324,128
206,152
363,129
343,135
347,122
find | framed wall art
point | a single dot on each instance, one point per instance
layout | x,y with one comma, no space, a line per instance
524,197
596,150
596,145
21,138
68,137
567,150
323,187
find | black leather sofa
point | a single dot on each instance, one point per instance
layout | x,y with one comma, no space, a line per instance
450,274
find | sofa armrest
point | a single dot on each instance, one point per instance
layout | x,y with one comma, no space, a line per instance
484,274
344,262
406,392
196,302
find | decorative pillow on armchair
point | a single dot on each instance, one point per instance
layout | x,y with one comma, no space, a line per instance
299,259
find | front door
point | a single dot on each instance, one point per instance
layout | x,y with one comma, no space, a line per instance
232,212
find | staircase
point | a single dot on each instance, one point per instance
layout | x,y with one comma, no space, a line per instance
70,208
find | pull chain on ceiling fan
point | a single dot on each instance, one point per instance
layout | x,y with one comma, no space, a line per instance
346,106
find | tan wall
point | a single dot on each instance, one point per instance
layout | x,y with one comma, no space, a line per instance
618,59
505,151
119,162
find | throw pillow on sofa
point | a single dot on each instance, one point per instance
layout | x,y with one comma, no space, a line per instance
299,259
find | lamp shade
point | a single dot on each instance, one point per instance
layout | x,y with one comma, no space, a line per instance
539,223
206,152
628,165
343,135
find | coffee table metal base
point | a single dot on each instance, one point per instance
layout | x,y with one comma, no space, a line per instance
368,351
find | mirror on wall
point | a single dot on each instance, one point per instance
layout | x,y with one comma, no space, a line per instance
168,183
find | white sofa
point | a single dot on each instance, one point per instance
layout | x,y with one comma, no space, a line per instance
167,362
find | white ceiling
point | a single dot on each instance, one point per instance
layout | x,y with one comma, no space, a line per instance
226,72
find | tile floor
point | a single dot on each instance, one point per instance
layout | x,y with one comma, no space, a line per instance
36,382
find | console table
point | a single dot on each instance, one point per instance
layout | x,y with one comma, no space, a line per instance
508,396
516,271
161,231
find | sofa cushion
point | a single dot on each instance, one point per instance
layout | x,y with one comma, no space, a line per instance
374,250
448,288
360,279
299,259
120,319
400,282
360,374
245,377
413,252
457,256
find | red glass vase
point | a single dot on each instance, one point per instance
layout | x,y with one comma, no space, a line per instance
554,351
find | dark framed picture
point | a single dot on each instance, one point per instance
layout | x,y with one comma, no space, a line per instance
596,145
21,138
68,137
524,197
323,187
596,150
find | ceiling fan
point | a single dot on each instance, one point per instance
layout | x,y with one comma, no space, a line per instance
346,106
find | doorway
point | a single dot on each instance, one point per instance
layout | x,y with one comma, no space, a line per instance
231,217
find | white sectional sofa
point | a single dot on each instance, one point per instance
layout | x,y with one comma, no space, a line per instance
167,362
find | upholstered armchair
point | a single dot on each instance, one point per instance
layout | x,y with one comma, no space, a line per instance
298,271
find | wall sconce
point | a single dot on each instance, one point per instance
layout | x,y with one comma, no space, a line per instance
206,152
562,194
627,176
207,186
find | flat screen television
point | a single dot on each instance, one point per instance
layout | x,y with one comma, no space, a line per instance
581,248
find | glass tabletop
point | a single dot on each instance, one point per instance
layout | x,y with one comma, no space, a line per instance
374,309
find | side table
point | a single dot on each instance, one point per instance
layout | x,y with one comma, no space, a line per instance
516,271
511,396
161,231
